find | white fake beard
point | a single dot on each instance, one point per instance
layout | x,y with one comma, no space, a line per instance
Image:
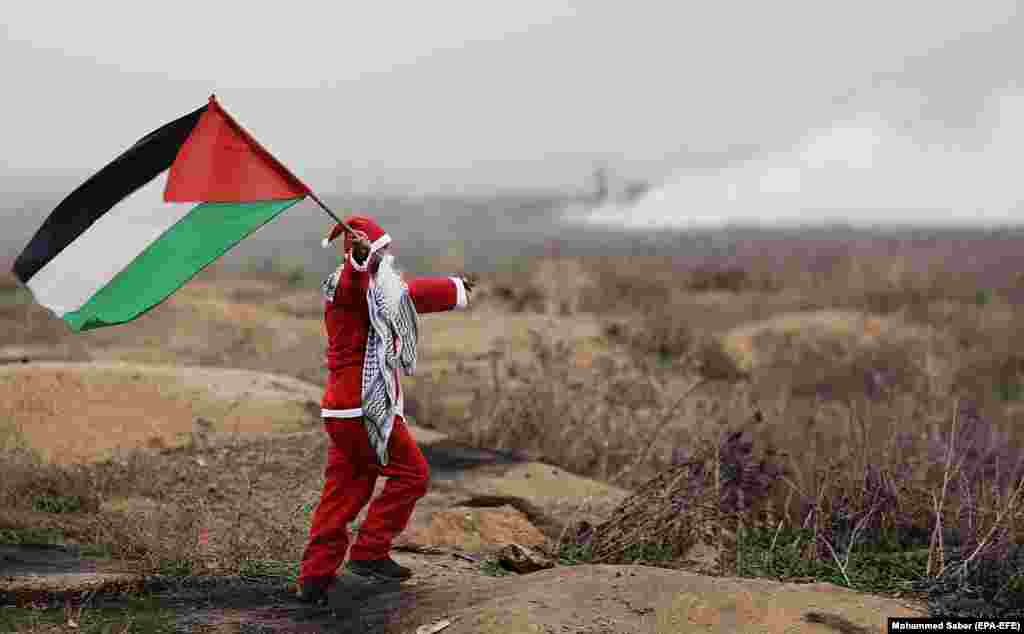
389,280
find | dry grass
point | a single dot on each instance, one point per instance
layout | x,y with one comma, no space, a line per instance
861,367
858,391
187,510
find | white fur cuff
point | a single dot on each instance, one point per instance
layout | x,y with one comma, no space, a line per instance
357,266
462,296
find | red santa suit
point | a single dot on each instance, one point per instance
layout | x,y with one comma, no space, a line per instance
352,464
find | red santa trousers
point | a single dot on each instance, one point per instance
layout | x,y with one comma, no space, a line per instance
350,476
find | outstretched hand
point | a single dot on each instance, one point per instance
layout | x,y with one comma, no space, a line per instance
469,280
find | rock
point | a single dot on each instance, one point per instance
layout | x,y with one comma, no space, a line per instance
20,590
703,557
30,354
477,529
433,628
523,559
547,524
646,599
542,483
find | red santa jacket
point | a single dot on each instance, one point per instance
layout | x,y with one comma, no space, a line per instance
347,322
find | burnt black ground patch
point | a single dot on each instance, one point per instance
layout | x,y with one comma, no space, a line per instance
448,459
19,559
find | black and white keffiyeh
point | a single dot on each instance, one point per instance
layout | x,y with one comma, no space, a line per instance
330,285
390,347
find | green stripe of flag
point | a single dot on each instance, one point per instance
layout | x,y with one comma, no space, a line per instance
202,236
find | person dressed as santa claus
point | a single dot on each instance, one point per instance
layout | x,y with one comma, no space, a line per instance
370,315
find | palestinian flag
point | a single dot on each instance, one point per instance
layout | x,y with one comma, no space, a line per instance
132,234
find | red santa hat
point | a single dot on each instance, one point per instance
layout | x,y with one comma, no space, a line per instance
378,237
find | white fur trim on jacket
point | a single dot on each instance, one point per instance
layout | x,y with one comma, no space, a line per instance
355,412
375,246
462,297
357,266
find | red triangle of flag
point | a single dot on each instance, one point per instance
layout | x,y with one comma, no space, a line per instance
221,162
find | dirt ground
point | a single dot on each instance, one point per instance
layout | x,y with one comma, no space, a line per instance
584,599
162,385
450,582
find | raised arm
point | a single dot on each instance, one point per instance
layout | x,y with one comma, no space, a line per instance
437,294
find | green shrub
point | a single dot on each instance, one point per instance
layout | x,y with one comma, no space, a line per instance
572,554
1010,391
647,552
19,536
144,615
288,570
96,551
57,503
175,567
883,566
296,276
493,568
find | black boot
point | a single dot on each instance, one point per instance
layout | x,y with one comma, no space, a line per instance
383,569
314,591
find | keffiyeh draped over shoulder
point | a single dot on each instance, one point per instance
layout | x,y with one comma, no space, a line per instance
390,346
330,285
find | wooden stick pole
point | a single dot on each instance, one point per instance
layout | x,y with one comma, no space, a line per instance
330,213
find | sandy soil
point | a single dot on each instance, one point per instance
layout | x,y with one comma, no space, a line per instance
72,412
450,582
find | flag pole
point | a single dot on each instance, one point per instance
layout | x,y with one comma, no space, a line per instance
330,213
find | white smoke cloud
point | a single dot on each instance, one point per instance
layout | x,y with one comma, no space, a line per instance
867,169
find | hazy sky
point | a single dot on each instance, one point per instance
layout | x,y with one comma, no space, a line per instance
357,96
